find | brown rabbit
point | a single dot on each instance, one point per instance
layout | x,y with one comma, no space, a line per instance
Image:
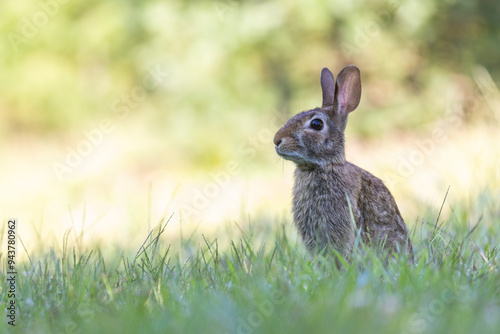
325,181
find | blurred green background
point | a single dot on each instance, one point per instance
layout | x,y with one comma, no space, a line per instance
229,70
231,62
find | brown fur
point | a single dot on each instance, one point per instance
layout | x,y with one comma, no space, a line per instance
324,180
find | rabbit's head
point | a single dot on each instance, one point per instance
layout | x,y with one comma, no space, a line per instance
316,137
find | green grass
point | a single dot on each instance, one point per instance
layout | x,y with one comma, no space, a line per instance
266,283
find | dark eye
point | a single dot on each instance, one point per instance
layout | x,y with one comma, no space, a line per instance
317,124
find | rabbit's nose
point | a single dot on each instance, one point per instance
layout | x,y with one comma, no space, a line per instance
278,138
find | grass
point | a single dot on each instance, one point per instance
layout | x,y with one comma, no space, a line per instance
266,283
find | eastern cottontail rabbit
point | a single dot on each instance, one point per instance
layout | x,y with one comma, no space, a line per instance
324,180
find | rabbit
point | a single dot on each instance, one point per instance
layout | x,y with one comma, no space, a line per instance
329,192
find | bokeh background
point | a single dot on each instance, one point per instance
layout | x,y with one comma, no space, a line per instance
115,114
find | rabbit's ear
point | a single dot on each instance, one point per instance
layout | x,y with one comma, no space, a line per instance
328,87
348,90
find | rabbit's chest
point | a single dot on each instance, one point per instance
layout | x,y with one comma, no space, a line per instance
322,200
321,211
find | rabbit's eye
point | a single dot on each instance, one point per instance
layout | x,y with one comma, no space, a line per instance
317,124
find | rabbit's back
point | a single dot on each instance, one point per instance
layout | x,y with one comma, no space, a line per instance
380,220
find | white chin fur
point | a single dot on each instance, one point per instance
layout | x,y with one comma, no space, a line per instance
296,158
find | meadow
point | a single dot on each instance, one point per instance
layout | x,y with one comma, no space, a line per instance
265,282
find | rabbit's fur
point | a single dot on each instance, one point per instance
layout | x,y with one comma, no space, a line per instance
325,181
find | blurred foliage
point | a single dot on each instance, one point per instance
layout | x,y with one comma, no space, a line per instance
232,65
